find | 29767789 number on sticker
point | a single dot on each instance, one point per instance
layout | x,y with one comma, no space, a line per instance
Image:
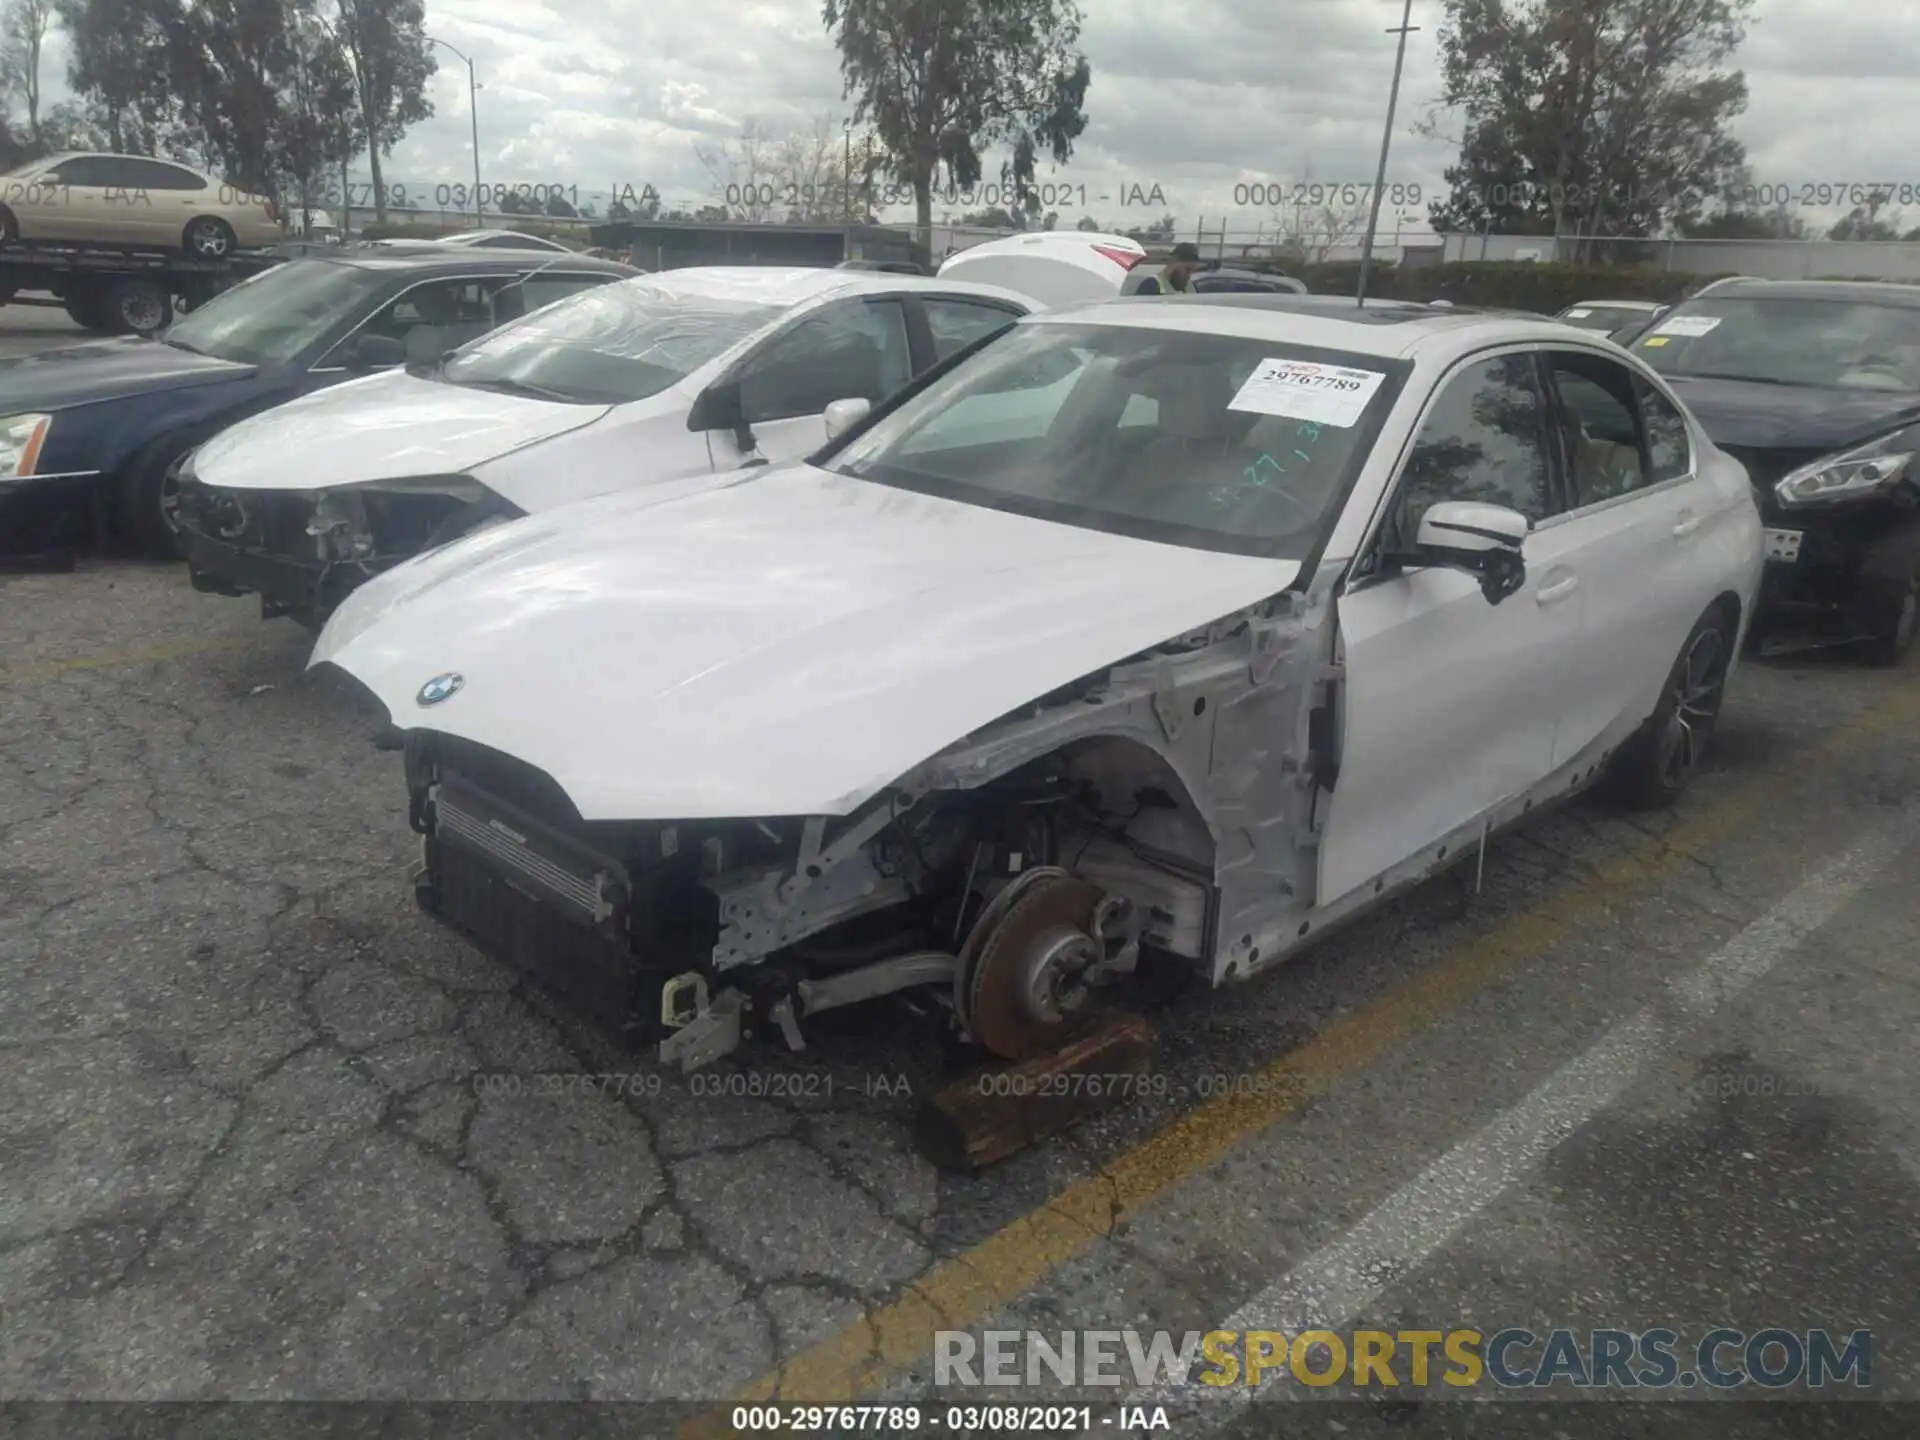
1305,390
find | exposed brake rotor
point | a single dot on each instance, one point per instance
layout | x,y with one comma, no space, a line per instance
1023,971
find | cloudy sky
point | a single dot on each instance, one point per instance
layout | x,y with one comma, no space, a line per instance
1196,97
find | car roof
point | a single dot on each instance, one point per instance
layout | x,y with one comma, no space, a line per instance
459,258
1857,291
1386,329
789,285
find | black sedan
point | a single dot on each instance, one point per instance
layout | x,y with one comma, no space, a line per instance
90,436
1815,387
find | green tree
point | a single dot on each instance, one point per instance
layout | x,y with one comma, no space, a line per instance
1589,118
942,81
23,36
386,49
119,54
1865,222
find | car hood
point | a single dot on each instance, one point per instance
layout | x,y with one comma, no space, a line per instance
107,370
1750,416
384,427
780,645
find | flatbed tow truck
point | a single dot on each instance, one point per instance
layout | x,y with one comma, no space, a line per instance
118,289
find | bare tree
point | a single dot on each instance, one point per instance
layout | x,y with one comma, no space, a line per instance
1309,234
745,172
23,33
822,175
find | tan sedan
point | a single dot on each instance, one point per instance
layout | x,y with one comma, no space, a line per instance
132,200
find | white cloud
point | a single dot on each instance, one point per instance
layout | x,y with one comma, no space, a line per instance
1193,98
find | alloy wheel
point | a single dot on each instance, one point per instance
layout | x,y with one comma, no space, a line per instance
1693,703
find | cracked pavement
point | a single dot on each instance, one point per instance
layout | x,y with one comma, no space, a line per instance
273,1134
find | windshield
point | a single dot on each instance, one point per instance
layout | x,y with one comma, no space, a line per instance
610,344
1837,344
1211,441
278,313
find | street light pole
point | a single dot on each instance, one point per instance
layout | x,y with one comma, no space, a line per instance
473,111
1386,141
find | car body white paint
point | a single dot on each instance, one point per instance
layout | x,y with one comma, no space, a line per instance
399,426
806,636
1056,267
789,645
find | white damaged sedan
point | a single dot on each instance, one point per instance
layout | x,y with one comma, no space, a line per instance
1154,634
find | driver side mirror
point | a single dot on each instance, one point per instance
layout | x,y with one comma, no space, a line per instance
1484,540
721,407
842,415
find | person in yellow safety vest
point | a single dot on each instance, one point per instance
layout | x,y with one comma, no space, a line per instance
1177,277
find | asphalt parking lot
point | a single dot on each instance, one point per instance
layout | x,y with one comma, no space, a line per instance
25,329
270,1133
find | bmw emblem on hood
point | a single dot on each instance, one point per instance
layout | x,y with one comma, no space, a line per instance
440,687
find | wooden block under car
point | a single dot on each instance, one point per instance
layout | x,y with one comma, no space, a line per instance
999,1110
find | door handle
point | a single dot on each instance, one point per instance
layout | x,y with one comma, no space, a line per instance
1560,589
1688,524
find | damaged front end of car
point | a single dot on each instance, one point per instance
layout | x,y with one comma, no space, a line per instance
1156,816
303,552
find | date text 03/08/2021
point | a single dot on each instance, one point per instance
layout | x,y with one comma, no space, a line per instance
967,1419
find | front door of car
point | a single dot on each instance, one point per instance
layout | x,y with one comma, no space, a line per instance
425,320
78,199
847,350
1449,702
1635,505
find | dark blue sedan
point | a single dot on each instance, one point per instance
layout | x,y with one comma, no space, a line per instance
90,435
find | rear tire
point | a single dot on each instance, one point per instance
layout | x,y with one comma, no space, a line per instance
137,306
9,226
208,237
1654,768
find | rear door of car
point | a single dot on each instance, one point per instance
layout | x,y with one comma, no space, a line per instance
173,195
943,325
1637,502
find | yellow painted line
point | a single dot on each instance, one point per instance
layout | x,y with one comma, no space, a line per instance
30,674
885,1342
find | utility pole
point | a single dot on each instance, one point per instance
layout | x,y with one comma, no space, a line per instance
1386,141
473,109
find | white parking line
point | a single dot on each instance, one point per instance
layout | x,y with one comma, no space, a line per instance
1335,1286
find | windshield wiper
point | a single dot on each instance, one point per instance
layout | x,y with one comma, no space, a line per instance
181,345
517,387
1737,379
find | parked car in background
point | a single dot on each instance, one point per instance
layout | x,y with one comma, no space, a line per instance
1268,607
478,240
890,267
132,200
1815,387
95,431
1052,267
1620,320
694,372
1221,280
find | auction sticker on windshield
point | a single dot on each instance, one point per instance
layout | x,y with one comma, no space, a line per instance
1303,390
1689,325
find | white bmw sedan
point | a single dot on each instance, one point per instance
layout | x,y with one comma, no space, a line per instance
1163,631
